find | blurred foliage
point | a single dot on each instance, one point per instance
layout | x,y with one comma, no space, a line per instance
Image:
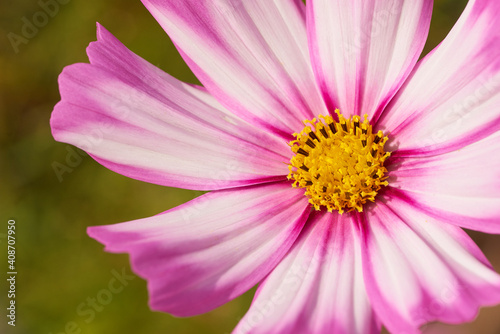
59,266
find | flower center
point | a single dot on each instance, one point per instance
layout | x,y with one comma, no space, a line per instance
340,164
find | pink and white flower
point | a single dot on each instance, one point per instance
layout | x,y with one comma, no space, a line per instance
266,66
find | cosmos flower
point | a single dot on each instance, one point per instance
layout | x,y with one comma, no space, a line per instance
341,168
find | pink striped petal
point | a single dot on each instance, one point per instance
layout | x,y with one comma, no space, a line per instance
140,122
204,253
363,50
318,287
452,97
461,187
419,270
251,55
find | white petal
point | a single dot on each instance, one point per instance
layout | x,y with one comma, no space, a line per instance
140,122
363,50
318,287
251,55
206,252
451,99
461,187
419,270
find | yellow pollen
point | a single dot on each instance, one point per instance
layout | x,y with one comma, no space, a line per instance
340,164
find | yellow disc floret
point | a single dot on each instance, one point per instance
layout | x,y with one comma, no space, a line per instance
339,163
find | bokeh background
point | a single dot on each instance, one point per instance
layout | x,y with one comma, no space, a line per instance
60,269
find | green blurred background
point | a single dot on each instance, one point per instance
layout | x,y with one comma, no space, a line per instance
59,267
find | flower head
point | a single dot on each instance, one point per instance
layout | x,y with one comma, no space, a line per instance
341,168
341,164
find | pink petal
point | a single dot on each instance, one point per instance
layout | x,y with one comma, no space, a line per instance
251,55
140,122
363,50
461,187
419,270
452,97
317,288
204,253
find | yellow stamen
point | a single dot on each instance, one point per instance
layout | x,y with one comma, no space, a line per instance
340,164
